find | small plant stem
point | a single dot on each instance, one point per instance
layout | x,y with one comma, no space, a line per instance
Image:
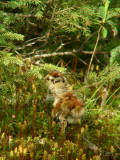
16,105
21,158
35,114
111,97
62,143
98,37
45,100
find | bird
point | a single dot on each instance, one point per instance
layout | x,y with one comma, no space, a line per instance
67,107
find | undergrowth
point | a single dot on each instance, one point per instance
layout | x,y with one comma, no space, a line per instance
27,131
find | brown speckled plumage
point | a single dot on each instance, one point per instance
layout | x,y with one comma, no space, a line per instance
67,107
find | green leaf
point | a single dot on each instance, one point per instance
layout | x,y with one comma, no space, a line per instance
9,54
112,14
101,11
104,32
114,28
115,55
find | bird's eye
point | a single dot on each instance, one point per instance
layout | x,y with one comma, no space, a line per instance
48,79
52,80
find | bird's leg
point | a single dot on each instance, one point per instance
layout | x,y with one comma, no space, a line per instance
63,122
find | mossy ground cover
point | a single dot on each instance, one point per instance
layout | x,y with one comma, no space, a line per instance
28,132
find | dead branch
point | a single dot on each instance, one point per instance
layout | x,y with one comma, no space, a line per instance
60,54
21,15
